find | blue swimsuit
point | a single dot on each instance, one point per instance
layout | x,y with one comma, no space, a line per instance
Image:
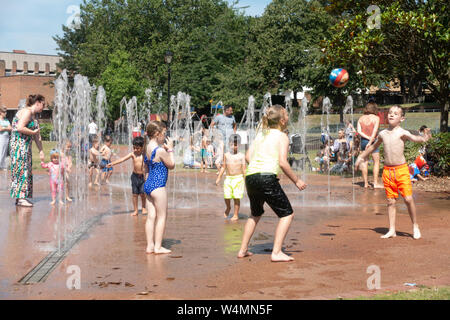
157,174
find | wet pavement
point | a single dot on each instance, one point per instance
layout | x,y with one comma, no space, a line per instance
335,236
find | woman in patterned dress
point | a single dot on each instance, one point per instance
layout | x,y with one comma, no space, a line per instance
25,129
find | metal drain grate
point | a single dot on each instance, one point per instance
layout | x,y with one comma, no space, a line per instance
43,269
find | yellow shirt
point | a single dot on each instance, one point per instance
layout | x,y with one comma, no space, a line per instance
265,157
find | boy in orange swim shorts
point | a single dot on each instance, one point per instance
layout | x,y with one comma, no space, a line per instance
396,173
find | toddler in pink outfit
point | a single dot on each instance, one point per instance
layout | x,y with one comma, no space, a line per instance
56,172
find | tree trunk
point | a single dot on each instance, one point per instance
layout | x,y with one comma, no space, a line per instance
444,116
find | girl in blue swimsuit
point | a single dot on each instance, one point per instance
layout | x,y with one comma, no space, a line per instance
158,161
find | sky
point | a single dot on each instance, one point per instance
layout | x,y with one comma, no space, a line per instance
31,24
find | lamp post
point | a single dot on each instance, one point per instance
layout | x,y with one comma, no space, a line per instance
168,59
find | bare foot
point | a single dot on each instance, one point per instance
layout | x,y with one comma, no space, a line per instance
144,211
69,199
378,186
162,250
235,218
243,254
97,184
53,203
281,257
61,202
90,184
150,250
107,181
225,215
390,234
135,213
417,234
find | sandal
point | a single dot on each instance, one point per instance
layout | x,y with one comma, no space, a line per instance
24,203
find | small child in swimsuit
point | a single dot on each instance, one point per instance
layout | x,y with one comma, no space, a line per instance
267,157
395,173
68,163
234,184
137,177
56,172
158,160
106,159
210,153
203,151
94,156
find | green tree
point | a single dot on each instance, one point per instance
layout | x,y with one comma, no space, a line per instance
121,79
412,44
206,37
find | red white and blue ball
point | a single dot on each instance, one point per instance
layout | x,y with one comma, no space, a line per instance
339,77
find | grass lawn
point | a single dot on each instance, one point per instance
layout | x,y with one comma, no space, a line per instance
421,293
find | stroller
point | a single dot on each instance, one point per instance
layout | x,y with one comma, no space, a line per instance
296,148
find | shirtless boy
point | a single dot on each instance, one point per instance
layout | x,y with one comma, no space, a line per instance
137,178
106,159
396,173
94,155
234,184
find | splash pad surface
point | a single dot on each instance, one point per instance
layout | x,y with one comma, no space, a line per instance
333,244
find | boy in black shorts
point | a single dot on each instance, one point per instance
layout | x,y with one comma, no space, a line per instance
137,177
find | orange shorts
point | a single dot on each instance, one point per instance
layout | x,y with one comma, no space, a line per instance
396,178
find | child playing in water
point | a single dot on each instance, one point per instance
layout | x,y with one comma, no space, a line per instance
233,187
395,173
67,156
56,172
94,156
210,153
203,151
137,177
158,160
266,156
106,159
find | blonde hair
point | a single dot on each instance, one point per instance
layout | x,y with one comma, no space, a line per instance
54,155
272,118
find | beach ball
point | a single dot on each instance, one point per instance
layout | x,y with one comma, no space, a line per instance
339,77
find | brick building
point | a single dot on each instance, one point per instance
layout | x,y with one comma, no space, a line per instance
22,74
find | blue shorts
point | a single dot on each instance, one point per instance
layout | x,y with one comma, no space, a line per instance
103,165
364,143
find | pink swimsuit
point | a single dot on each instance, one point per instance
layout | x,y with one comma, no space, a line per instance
56,180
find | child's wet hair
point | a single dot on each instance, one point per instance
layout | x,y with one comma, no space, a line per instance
234,139
107,139
153,128
138,142
273,116
403,113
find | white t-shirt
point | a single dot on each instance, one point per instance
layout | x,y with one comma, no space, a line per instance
92,128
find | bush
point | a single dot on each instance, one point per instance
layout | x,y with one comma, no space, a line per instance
46,130
438,152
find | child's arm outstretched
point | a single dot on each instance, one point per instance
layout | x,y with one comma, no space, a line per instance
127,157
222,170
418,139
284,164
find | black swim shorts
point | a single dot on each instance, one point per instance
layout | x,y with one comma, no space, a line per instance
264,187
137,183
